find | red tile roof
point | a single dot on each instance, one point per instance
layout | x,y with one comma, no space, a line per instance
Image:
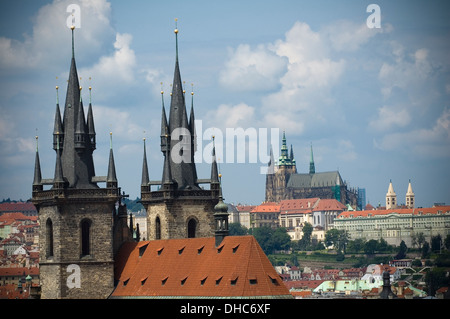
15,216
413,211
268,207
329,204
195,267
17,207
298,204
18,271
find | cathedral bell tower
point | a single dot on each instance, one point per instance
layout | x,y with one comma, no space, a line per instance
179,207
76,215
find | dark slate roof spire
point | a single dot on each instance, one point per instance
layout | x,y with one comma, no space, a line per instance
37,181
111,179
58,180
90,123
312,168
183,171
145,176
58,127
76,156
214,170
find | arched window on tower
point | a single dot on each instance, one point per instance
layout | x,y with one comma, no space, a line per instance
85,237
49,232
157,228
192,225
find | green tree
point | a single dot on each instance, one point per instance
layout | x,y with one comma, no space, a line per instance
370,247
425,250
436,243
262,236
435,279
402,251
447,242
356,245
236,229
382,245
307,232
280,240
337,238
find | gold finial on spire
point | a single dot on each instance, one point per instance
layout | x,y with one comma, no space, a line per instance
192,86
162,91
176,25
72,27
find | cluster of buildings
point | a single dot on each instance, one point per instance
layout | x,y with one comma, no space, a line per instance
291,214
364,283
19,249
394,223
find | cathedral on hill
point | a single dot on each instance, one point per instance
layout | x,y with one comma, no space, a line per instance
284,182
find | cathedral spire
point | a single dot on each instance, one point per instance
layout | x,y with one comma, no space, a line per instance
145,176
90,123
214,170
37,181
181,163
58,126
58,180
111,179
312,168
76,155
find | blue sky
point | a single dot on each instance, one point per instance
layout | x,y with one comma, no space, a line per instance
374,102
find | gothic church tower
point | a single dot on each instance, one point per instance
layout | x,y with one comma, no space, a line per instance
391,197
77,217
179,207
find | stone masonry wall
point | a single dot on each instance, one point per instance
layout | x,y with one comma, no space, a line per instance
175,215
96,270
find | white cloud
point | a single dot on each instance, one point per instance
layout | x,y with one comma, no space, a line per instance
43,47
231,116
389,117
248,69
426,142
345,35
408,72
115,68
118,122
300,65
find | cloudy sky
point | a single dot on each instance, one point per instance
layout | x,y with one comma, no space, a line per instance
374,102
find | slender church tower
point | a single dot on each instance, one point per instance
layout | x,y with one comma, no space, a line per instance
77,217
391,197
410,197
179,207
277,179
